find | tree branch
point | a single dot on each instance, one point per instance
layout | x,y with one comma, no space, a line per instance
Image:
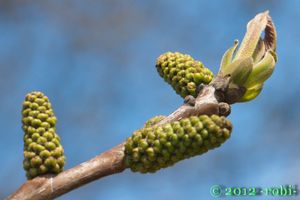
49,186
210,100
109,162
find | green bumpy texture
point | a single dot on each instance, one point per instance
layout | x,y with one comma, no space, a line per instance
182,72
154,120
43,152
152,148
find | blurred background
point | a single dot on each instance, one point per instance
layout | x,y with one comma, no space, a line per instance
95,60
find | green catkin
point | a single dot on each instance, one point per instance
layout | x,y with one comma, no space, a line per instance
152,148
43,152
182,72
154,120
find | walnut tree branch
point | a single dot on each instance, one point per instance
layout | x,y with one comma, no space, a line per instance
49,186
211,99
111,161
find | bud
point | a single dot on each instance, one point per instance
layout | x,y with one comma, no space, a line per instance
43,152
182,72
174,141
254,61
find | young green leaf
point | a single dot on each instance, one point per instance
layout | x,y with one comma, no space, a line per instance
251,93
228,56
262,70
239,70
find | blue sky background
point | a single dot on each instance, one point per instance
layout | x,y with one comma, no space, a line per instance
95,61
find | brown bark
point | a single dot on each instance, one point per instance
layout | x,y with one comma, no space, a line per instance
50,187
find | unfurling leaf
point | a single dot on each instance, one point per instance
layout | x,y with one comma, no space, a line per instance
262,70
227,57
251,93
